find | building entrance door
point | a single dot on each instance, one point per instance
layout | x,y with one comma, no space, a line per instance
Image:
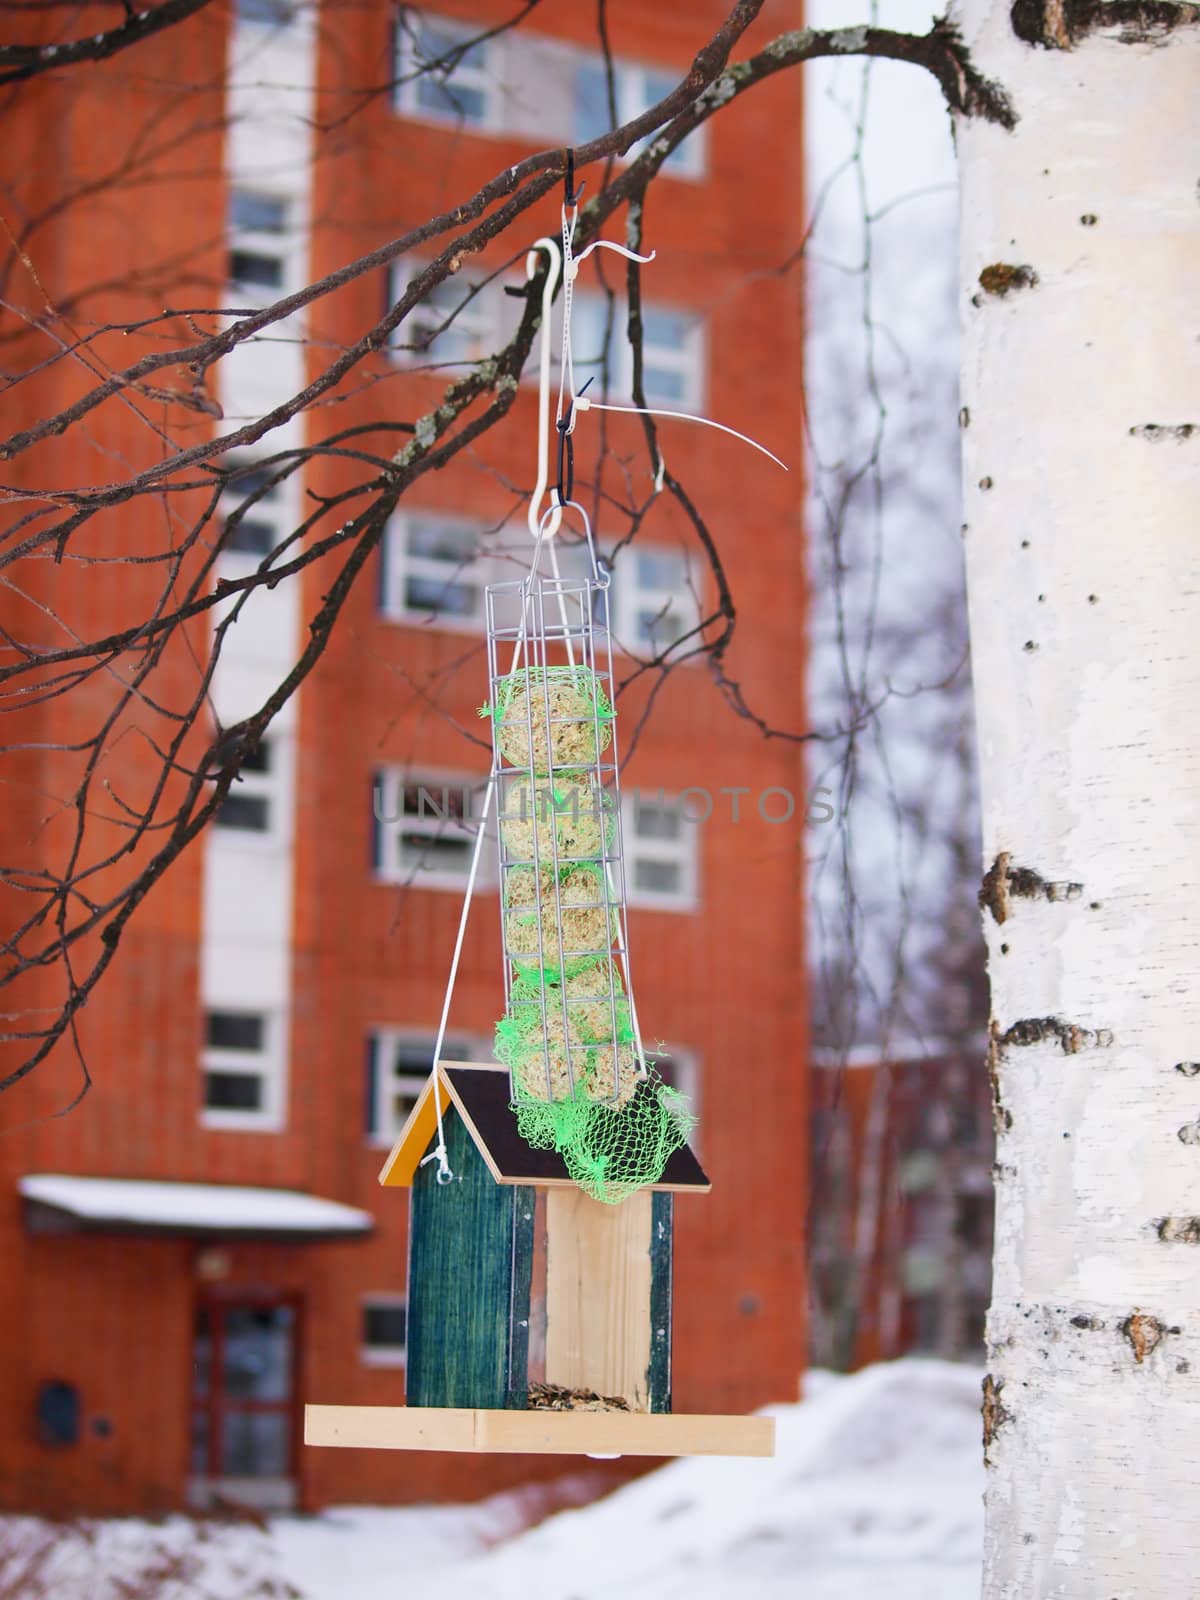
244,1402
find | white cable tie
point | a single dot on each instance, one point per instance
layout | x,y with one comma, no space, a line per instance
611,244
583,403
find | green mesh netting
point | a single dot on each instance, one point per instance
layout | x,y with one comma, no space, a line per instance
573,734
576,1084
611,1152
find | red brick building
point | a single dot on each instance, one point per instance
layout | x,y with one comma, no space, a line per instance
273,1003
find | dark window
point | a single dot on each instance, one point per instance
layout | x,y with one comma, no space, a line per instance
250,536
658,877
248,811
236,1030
432,854
256,213
254,268
385,1325
58,1413
246,478
233,1091
258,759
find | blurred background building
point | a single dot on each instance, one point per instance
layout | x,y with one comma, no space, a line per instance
272,1008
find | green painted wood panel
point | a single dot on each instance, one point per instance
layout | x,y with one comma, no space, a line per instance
662,1244
463,1240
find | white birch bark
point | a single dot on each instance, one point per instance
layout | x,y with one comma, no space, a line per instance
1082,472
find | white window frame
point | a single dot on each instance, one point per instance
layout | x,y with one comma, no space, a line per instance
689,359
630,598
389,863
399,564
477,319
278,245
382,1356
268,1064
271,786
688,160
683,852
384,1041
482,80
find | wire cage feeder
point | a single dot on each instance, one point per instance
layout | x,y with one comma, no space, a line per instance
543,1184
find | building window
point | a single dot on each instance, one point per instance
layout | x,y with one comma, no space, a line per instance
384,1330
425,827
240,1068
275,13
672,351
636,88
258,226
251,505
251,804
441,75
661,852
653,602
432,571
454,325
653,599
398,1067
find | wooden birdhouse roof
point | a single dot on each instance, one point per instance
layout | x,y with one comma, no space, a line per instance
479,1094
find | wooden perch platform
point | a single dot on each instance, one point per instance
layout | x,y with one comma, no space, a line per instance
607,1433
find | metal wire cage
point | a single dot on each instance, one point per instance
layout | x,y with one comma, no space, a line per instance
570,1024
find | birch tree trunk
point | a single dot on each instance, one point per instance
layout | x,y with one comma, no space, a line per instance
1081,255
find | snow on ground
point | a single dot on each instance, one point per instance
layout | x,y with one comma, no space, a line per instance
875,1487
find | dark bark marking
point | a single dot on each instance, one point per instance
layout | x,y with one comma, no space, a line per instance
1061,24
1188,1068
1177,1230
1072,1038
1155,432
995,1413
1002,276
1001,1116
1092,1324
1145,1333
1003,882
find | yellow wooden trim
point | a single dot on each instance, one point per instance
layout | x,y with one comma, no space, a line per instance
417,1133
572,1433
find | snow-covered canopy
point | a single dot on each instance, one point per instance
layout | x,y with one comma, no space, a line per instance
191,1208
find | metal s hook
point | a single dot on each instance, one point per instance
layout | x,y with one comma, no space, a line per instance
554,252
566,449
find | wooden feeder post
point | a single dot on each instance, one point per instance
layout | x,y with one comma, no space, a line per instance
608,1301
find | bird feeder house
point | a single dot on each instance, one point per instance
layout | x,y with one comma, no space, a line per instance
542,1186
513,1235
